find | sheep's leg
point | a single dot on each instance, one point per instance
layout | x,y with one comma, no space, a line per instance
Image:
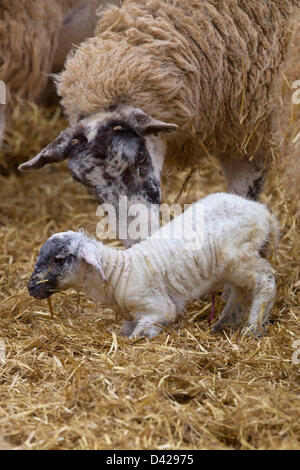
238,308
151,325
263,298
148,330
128,327
226,293
231,315
244,178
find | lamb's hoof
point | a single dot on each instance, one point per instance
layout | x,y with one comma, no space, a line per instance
128,327
221,325
217,327
146,331
255,332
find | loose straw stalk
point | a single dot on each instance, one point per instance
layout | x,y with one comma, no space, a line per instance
50,307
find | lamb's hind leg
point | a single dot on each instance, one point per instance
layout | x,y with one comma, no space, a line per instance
244,178
263,298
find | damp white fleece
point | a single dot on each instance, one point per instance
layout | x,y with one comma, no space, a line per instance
150,283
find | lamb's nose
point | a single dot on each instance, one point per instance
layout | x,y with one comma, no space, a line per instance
39,291
36,283
32,284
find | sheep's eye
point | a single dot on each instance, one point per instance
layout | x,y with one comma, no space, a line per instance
117,128
59,259
143,171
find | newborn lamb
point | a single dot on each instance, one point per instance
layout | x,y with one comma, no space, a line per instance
219,240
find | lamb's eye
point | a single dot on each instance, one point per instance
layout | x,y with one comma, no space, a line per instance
117,128
59,259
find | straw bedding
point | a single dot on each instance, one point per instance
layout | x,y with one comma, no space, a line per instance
73,382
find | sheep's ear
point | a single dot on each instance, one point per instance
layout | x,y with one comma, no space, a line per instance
144,125
90,254
57,151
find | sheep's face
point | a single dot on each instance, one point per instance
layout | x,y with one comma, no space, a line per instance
112,160
118,153
57,266
63,262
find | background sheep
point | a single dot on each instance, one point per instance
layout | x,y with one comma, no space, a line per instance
287,118
218,240
35,37
208,67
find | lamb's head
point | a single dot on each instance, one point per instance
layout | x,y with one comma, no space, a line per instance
62,263
115,153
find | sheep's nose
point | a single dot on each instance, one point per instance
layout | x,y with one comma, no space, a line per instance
37,286
35,278
33,284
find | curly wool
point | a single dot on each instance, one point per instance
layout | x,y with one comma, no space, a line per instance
208,66
28,33
29,40
286,121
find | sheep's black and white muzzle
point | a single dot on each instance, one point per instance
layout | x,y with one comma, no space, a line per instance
118,153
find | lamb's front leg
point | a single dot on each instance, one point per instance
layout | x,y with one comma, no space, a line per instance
150,325
148,328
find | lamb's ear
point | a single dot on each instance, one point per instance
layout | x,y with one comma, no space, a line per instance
54,152
144,125
91,255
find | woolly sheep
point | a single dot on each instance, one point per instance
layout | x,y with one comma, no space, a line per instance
220,239
208,67
287,119
35,37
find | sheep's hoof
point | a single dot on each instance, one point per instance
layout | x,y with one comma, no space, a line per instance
255,332
146,331
217,327
221,325
128,327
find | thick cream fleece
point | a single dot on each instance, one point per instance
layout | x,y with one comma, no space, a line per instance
209,66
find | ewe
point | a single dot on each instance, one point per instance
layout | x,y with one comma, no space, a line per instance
210,68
